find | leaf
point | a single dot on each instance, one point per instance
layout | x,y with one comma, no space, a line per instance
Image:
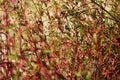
57,14
77,74
47,51
105,73
11,26
27,55
13,77
106,21
84,73
80,28
12,57
42,78
19,33
29,65
57,60
53,55
25,47
36,38
13,1
88,75
95,37
36,69
67,33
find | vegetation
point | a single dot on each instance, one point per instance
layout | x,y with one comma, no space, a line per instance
60,39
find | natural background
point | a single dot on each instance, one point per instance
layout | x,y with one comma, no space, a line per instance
59,39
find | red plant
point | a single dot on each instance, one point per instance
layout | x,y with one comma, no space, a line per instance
59,40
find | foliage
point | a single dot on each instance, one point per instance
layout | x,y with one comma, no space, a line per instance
59,39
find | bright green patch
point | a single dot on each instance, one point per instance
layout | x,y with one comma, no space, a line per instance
47,51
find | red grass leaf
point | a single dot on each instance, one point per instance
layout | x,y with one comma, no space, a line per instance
13,1
19,33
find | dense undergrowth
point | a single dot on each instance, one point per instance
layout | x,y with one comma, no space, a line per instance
59,39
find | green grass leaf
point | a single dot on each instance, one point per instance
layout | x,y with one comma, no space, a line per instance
80,28
95,37
13,77
47,51
12,57
11,26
